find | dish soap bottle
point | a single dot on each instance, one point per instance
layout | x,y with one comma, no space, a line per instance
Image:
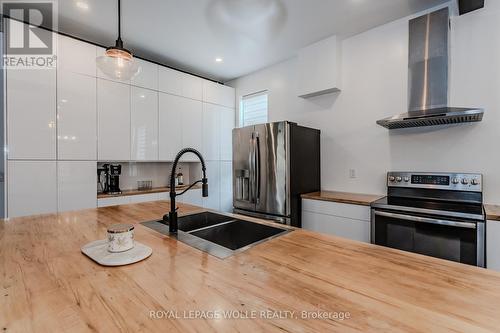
180,178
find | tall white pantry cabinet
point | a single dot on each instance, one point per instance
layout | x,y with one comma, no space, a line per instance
61,122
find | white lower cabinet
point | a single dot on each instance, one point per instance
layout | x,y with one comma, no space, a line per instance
213,175
32,187
76,184
226,186
493,245
339,219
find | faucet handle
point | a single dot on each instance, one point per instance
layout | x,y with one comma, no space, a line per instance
204,187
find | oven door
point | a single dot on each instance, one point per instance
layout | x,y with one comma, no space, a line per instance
457,240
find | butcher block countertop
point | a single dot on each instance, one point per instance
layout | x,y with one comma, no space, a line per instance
492,212
140,192
343,197
299,282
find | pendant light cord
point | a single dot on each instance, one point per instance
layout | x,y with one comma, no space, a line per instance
119,19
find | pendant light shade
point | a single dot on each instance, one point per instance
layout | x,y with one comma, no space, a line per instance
117,62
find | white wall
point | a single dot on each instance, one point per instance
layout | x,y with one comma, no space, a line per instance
374,86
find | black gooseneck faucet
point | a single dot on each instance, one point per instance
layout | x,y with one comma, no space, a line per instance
171,218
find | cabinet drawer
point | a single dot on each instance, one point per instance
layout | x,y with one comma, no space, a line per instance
339,226
356,212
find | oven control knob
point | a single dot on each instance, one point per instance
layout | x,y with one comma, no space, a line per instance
455,181
407,179
465,181
399,179
392,178
474,182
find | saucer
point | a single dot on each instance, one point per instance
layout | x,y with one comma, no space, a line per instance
98,251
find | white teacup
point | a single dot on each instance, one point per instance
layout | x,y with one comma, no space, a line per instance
120,237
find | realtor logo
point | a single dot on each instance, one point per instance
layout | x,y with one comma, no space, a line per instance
29,39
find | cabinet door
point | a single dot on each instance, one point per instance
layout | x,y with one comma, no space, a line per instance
76,56
170,126
492,245
76,116
226,186
191,115
335,225
148,76
113,108
170,81
179,83
77,187
213,175
144,124
218,94
211,132
227,120
32,188
31,114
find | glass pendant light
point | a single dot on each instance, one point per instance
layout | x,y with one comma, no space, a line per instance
117,62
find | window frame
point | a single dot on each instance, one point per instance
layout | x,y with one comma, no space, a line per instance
242,110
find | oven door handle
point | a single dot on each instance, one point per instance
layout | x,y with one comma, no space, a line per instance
468,225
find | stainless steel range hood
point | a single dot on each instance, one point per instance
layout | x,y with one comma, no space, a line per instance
428,77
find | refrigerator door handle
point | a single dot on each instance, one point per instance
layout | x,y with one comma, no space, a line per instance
257,167
251,158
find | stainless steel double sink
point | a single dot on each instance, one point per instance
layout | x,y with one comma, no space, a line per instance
217,234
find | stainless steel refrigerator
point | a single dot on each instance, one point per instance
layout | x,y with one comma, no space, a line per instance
273,164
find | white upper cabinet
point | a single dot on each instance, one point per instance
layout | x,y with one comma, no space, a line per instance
192,119
113,109
148,76
170,122
144,124
218,94
211,132
100,52
179,83
76,117
32,187
319,68
227,120
76,56
76,185
31,113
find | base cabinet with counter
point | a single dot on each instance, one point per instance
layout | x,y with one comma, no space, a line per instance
493,245
350,221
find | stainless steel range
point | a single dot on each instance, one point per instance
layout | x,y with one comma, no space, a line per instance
435,214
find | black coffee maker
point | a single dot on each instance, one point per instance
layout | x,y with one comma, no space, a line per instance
112,174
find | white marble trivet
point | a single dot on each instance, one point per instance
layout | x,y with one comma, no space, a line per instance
98,251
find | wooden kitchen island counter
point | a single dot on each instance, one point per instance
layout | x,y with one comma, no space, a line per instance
47,285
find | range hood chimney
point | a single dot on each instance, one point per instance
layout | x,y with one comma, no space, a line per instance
428,77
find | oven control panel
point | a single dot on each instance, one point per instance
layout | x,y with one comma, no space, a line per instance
472,182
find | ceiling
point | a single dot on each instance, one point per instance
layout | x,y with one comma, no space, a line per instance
247,34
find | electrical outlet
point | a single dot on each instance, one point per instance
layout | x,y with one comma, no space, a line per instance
352,173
